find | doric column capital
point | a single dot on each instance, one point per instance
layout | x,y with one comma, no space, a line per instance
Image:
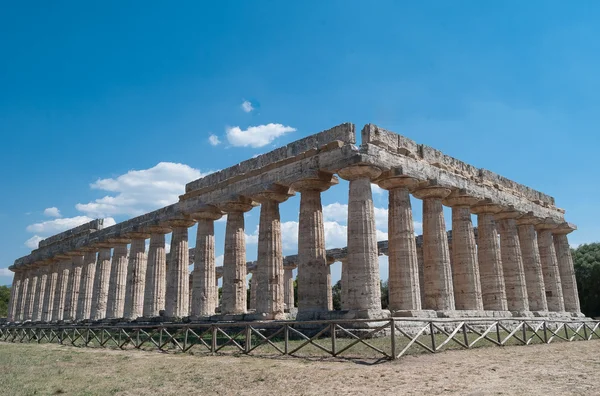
159,229
120,240
277,194
508,213
137,235
182,221
389,180
321,183
431,192
209,212
486,206
546,224
460,198
355,172
241,204
564,229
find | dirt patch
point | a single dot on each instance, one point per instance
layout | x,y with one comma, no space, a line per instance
562,368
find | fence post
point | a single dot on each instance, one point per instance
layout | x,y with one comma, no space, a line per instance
498,334
393,339
585,331
248,344
213,342
286,338
566,331
465,335
545,332
524,330
432,336
333,339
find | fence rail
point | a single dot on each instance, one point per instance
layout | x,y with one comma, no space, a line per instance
376,339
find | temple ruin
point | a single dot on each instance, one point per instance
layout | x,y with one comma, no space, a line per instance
519,265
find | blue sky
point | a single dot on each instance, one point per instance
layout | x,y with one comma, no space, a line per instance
89,93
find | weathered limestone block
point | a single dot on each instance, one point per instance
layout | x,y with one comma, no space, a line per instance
14,296
23,293
136,276
490,260
253,288
288,287
73,287
552,282
88,274
101,284
154,293
403,281
205,291
344,282
51,281
40,292
177,304
364,293
118,278
270,289
64,269
512,261
439,291
534,278
233,300
31,289
312,262
465,267
566,269
329,290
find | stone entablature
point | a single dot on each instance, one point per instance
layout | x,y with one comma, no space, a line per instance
308,167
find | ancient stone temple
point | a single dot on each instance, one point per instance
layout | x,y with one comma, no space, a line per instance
516,263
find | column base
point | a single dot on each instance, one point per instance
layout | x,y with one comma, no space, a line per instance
423,313
473,314
522,314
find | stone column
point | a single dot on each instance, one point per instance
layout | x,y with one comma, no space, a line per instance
565,267
439,291
205,292
73,286
177,303
253,287
154,292
465,268
512,262
288,287
136,276
403,280
64,269
118,278
312,263
364,293
101,284
40,293
552,282
51,280
534,278
14,296
32,289
23,293
88,275
269,292
217,298
490,260
344,282
329,290
233,300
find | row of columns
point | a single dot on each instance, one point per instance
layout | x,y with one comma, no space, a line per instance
528,267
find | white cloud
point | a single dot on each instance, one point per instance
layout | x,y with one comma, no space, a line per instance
52,212
335,212
247,106
219,260
418,227
141,191
6,272
256,136
55,226
33,242
214,140
375,189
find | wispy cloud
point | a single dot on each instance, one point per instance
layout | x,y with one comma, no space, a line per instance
52,212
256,136
247,106
214,140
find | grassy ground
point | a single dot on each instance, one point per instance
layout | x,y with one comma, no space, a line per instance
561,368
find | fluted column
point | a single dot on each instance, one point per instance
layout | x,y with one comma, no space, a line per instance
465,267
51,281
288,287
136,276
154,293
73,286
566,268
233,299
88,274
177,303
532,265
253,288
344,282
512,261
64,268
490,260
101,284
329,289
40,292
31,290
364,293
23,293
14,295
312,263
217,297
439,291
118,278
204,295
403,280
552,282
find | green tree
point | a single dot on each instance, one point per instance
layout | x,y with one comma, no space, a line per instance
385,300
336,292
586,259
4,297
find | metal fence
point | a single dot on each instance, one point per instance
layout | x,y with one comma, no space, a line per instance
387,339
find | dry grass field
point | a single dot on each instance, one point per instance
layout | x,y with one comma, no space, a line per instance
561,368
